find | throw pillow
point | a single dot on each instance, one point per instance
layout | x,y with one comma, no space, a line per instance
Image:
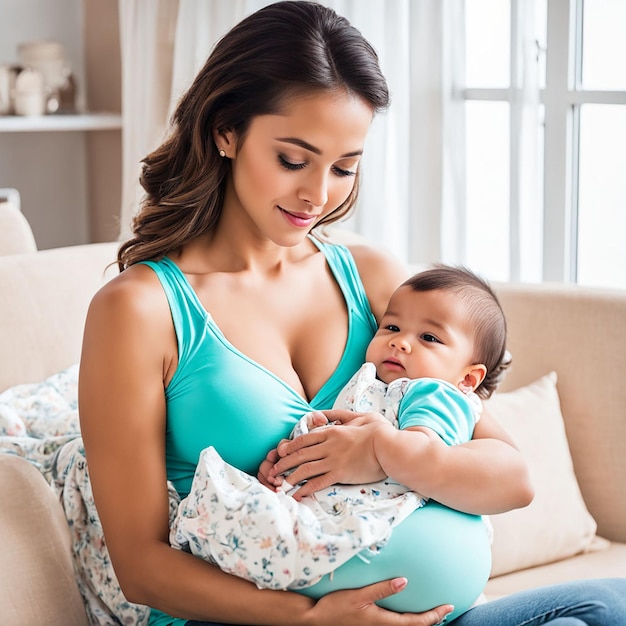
557,524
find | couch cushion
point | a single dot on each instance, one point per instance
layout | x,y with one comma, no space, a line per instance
557,523
16,235
44,298
578,332
604,564
37,582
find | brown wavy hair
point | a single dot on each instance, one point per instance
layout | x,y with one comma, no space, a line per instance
484,313
285,49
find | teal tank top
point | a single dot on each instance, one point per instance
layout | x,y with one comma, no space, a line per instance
219,397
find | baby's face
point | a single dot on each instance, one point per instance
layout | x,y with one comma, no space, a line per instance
422,334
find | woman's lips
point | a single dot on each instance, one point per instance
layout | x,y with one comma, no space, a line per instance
301,220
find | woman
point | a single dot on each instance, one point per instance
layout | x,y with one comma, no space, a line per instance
245,322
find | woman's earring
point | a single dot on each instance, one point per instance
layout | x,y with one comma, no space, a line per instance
222,153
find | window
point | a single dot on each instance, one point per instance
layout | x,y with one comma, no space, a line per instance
545,104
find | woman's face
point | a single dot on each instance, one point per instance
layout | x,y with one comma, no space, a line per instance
296,167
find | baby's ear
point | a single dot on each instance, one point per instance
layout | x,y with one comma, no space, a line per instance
474,375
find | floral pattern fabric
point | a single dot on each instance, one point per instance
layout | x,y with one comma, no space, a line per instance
39,422
229,518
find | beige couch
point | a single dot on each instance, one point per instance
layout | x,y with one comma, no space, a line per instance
578,333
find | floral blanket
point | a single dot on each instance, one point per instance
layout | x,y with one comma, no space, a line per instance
39,422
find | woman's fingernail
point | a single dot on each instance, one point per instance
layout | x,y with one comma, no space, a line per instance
398,584
445,617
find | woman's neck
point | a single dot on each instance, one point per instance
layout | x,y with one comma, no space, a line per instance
227,249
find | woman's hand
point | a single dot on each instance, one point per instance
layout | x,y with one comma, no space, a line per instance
326,456
357,607
266,475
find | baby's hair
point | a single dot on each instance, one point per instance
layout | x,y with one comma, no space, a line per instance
483,312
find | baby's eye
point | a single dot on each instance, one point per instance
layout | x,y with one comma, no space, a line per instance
393,328
430,338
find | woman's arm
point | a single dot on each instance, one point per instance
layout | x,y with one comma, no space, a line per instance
490,473
129,349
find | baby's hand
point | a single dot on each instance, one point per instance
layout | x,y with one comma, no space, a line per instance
312,420
315,419
342,416
265,474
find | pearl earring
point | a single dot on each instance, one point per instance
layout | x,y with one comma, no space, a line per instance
222,153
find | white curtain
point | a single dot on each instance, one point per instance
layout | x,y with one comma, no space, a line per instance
383,210
526,214
199,27
147,40
412,198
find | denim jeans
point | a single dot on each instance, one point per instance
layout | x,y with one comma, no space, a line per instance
600,602
590,602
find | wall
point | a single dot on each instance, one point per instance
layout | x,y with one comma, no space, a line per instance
69,181
104,92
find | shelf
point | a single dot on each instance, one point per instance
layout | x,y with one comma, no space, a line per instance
61,122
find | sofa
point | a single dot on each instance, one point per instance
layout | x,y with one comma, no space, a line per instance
564,402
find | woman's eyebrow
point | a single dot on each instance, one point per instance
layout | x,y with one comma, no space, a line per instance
307,146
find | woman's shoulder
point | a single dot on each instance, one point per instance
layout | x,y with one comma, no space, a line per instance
378,267
134,292
381,273
371,257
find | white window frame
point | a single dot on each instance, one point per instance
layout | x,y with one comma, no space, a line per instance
562,98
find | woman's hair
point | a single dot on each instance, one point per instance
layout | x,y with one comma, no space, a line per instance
285,49
484,314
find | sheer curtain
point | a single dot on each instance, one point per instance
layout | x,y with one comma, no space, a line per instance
412,190
526,209
147,40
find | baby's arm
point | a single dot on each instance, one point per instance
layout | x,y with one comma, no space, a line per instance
433,417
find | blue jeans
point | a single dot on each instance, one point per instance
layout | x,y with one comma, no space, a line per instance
590,602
